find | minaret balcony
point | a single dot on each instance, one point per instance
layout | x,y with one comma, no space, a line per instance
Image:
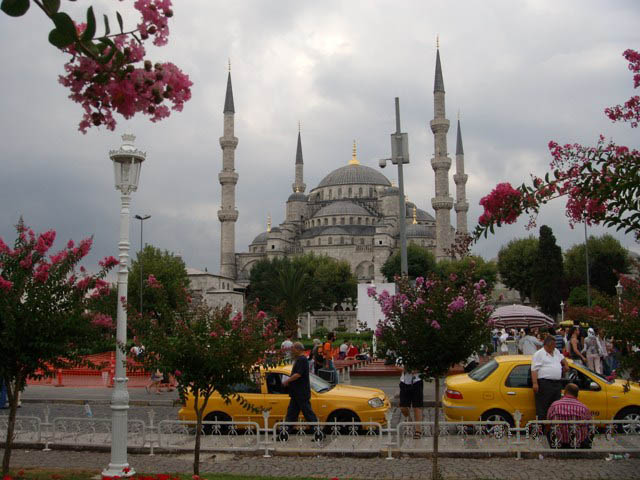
226,177
462,207
441,163
460,178
442,203
230,215
439,125
228,142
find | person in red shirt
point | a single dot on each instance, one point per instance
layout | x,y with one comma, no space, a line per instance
352,351
569,435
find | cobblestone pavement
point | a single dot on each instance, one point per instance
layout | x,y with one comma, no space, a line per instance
343,468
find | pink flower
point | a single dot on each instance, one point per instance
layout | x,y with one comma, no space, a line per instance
83,284
109,262
261,315
213,335
458,304
502,205
371,292
152,282
5,284
435,325
26,262
3,247
58,257
101,320
177,373
42,272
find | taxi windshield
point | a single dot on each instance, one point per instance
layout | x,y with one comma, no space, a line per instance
483,371
319,385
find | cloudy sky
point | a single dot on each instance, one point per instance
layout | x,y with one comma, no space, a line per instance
520,72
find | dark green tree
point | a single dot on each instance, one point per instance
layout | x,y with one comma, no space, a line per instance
476,265
606,257
548,273
515,264
420,263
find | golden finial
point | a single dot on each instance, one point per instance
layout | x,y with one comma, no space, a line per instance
269,223
393,183
299,127
415,215
354,156
437,41
229,65
296,190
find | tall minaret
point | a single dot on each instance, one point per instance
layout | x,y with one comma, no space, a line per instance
460,178
298,185
441,163
228,214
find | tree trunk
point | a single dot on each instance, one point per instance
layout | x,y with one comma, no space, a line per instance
435,473
12,395
196,452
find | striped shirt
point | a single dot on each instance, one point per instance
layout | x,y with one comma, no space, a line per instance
570,408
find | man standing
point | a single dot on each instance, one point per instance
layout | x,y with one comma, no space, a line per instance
547,367
286,347
528,343
569,408
299,387
412,397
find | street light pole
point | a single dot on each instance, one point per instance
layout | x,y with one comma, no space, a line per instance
586,257
127,162
399,156
619,289
142,218
562,310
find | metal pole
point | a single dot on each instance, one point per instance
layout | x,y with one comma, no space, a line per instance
120,395
404,268
586,257
140,262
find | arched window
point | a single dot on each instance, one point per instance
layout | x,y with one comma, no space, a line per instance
371,271
339,193
350,192
367,220
371,191
350,220
326,221
341,220
330,194
359,220
308,243
360,191
362,241
341,240
330,241
333,221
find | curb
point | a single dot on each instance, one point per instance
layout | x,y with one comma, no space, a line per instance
75,401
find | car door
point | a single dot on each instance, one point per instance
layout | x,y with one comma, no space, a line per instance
517,392
276,397
594,398
251,392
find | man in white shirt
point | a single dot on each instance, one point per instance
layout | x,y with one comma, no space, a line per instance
547,367
342,354
286,347
528,343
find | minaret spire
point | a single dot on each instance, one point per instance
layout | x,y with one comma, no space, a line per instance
228,178
298,184
441,163
354,155
460,179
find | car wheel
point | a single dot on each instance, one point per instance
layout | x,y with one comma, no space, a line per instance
629,413
497,416
342,416
216,416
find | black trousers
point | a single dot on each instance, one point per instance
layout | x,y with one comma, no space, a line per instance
548,392
296,405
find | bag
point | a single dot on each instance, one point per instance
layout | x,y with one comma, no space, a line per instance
330,376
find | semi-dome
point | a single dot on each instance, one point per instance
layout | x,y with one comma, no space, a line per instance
297,197
418,230
342,207
354,174
261,238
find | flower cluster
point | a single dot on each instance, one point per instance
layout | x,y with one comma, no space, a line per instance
502,205
152,282
630,111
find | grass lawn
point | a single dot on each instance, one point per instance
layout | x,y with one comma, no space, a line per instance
64,474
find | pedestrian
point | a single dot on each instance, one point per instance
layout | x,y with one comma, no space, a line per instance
495,337
592,351
574,347
559,336
569,408
154,381
315,356
352,351
327,351
528,343
3,394
344,348
412,397
504,348
299,387
547,367
285,347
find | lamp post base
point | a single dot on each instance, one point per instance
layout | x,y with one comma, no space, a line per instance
118,470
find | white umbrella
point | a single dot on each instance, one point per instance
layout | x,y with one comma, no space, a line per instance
519,316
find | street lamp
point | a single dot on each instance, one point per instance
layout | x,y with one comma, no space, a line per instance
619,289
142,218
127,162
562,310
399,156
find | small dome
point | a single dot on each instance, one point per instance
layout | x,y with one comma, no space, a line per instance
275,230
418,230
421,215
297,197
354,174
391,191
262,238
342,207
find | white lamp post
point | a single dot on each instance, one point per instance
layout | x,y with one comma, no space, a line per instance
127,162
619,292
562,310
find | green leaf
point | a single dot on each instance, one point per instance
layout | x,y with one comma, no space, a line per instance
51,6
90,31
15,8
119,17
58,39
65,25
107,30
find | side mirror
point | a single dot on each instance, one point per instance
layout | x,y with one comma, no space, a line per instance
594,387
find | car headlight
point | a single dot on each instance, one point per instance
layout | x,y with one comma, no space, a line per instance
375,403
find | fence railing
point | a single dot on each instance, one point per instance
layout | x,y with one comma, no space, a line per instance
267,436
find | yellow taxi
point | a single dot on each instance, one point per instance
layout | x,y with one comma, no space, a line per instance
341,403
495,390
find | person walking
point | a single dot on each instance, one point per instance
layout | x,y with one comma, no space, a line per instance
569,408
528,343
547,367
412,397
285,347
299,387
592,350
575,347
559,336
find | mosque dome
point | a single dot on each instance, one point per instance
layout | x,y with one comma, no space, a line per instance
262,238
297,197
418,230
342,207
354,174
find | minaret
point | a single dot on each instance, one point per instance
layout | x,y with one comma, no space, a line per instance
298,185
460,179
228,214
441,163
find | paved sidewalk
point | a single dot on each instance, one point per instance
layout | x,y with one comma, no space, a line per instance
342,468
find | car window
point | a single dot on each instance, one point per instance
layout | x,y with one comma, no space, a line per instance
318,384
580,379
483,371
247,387
274,383
520,377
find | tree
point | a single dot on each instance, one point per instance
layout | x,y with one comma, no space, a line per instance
476,265
606,258
600,183
515,264
165,281
420,263
109,73
433,324
44,324
578,297
207,350
548,273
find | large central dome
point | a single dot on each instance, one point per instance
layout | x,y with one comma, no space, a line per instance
354,174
